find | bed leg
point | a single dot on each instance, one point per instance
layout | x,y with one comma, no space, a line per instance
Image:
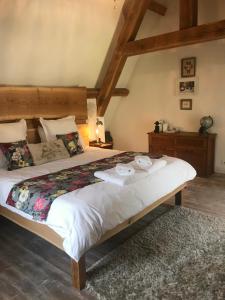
178,198
79,273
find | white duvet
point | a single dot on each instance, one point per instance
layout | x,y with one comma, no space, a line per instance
82,216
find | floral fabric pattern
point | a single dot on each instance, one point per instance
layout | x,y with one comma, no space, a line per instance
17,155
71,142
34,196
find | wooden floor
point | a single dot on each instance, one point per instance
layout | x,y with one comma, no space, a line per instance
207,195
30,268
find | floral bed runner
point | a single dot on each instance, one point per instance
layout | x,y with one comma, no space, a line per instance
34,196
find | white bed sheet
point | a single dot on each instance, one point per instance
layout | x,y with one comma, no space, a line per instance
82,216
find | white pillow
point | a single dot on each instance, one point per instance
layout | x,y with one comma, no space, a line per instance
42,134
3,161
60,126
13,132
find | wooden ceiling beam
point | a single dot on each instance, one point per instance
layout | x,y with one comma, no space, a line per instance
157,8
188,13
190,36
130,19
92,93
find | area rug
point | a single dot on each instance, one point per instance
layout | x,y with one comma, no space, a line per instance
180,255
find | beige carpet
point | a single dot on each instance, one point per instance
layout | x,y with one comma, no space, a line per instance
181,255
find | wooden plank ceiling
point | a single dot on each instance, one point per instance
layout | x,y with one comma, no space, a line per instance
124,44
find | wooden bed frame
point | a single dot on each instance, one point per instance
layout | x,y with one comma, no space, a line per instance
78,268
28,103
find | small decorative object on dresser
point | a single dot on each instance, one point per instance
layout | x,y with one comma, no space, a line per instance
101,145
196,149
206,123
165,126
157,129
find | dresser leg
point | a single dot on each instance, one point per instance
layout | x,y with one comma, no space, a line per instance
178,198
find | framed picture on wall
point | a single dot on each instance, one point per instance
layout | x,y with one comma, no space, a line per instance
188,67
186,104
187,86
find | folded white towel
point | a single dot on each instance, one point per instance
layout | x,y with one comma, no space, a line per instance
125,169
157,165
112,176
143,161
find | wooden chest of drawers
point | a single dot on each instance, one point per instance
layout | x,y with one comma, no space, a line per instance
198,150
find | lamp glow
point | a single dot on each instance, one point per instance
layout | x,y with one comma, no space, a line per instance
97,134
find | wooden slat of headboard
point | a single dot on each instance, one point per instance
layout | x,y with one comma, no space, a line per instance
35,102
31,103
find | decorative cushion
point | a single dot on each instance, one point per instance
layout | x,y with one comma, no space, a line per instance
59,127
49,151
17,155
71,142
13,132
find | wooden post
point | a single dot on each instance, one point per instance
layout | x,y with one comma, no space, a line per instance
178,198
130,20
188,13
79,273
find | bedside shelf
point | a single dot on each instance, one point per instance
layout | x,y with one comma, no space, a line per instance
101,145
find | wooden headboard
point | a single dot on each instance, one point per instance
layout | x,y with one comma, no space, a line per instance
31,103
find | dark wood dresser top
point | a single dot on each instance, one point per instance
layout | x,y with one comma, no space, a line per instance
193,147
184,133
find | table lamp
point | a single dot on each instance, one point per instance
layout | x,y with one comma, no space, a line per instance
98,123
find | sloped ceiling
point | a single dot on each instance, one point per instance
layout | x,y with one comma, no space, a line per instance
153,24
59,42
55,42
64,42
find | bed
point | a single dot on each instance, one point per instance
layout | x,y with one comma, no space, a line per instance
82,219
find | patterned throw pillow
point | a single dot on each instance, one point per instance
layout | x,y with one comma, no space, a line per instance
43,153
17,155
71,142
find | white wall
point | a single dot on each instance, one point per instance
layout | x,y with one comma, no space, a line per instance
55,42
153,83
64,42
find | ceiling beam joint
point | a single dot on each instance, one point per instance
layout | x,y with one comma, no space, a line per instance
157,8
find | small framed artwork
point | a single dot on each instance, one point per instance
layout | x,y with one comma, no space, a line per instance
187,86
186,104
188,67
